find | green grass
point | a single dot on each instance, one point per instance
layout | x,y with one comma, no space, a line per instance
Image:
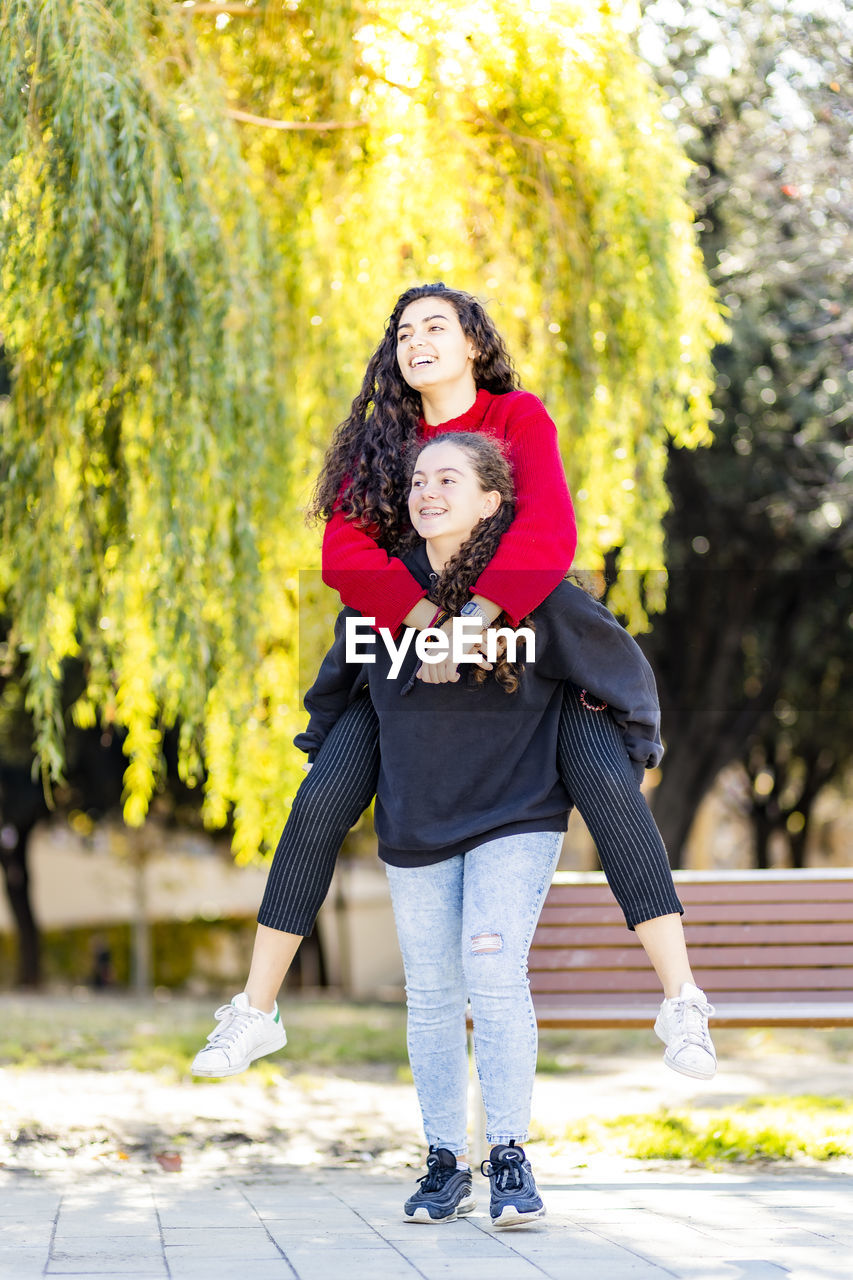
764,1128
112,1032
119,1030
115,1032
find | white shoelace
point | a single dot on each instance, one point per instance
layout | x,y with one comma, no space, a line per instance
234,1023
692,1015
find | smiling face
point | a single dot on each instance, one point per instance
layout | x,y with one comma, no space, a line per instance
433,351
446,499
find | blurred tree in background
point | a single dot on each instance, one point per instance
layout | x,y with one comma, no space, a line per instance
754,649
207,212
136,446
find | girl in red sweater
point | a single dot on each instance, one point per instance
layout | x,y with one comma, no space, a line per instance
441,366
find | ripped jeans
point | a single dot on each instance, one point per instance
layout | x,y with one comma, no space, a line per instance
465,927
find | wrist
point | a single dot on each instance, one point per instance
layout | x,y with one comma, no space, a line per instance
438,619
473,610
489,609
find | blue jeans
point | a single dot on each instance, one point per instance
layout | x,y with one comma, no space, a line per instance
465,927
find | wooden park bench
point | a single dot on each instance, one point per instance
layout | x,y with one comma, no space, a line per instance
769,948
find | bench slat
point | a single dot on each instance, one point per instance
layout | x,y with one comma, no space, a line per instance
764,957
606,935
733,1014
720,891
587,1000
704,913
711,979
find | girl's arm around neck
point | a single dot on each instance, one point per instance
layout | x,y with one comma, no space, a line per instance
536,551
366,577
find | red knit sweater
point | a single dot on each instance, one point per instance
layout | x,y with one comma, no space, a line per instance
533,555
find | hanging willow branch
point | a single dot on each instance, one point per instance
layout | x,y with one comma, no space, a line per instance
308,126
138,333
233,10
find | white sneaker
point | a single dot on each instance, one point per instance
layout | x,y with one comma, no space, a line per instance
242,1035
682,1024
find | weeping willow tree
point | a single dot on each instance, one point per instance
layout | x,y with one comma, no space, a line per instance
137,445
209,210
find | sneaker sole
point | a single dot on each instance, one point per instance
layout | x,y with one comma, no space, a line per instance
512,1217
689,1071
421,1216
260,1051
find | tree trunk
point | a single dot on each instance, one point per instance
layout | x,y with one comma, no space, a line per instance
721,648
684,782
141,966
763,827
13,855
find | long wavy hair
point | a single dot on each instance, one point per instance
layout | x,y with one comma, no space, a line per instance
364,471
452,587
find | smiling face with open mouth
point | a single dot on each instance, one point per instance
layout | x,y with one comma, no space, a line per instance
433,351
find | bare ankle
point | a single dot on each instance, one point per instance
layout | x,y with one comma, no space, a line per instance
258,1000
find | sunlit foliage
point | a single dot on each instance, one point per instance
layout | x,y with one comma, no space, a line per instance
207,213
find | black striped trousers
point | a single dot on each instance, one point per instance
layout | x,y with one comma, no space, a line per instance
595,769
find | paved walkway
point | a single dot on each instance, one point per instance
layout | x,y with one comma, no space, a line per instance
615,1225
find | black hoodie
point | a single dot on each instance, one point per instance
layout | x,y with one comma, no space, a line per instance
464,763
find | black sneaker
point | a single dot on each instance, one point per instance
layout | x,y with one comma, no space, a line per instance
445,1190
514,1196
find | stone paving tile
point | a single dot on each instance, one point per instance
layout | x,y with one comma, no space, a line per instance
25,1235
743,1269
463,1235
816,1192
233,1269
106,1246
288,1195
557,1266
600,1257
103,1241
823,1271
74,1226
351,1223
15,1201
510,1269
201,1213
288,1240
113,1209
380,1263
775,1238
107,1263
241,1242
21,1263
119,1253
345,1225
722,1269
219,1237
99,1270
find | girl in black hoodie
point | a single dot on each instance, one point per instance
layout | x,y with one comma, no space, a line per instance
470,811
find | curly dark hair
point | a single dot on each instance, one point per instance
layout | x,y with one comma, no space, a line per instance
364,471
452,588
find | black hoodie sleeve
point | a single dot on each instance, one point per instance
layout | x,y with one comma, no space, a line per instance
581,641
337,683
